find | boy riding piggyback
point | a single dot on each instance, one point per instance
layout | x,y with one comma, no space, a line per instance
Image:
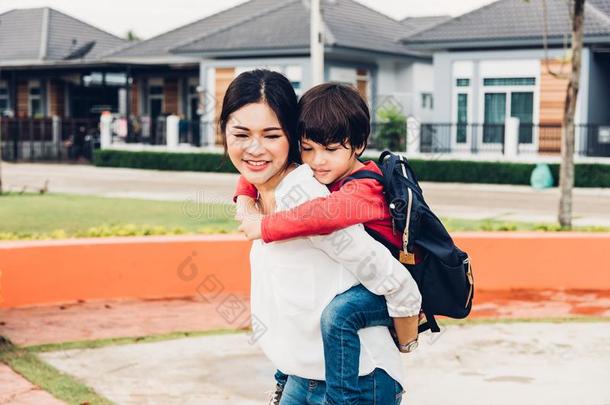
334,125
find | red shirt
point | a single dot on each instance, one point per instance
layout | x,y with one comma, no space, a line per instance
360,201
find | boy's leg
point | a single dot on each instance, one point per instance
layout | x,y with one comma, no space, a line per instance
347,313
378,388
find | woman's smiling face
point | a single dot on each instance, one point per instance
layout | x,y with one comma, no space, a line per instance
256,143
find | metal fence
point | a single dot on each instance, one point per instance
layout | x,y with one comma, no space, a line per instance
48,139
147,131
591,140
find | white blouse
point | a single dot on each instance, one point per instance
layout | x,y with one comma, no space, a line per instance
293,281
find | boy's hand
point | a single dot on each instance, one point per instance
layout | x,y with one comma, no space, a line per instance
251,225
406,328
245,206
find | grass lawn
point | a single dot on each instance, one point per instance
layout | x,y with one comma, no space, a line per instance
63,215
33,216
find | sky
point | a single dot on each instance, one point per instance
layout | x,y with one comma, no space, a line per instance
148,18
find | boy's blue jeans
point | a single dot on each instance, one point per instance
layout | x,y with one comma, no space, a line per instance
376,388
347,313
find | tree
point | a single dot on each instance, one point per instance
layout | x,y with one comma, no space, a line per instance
566,170
131,36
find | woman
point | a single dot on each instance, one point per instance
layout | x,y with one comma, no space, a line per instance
293,281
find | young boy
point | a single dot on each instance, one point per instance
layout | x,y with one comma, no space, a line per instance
334,124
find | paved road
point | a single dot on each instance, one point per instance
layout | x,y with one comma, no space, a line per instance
469,201
515,363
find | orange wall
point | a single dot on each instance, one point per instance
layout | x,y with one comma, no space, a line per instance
43,272
61,271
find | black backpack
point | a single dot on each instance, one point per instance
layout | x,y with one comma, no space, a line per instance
444,275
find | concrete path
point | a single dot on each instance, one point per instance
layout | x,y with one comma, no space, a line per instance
225,369
496,364
16,390
468,201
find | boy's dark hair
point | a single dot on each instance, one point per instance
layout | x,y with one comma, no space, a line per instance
334,113
261,85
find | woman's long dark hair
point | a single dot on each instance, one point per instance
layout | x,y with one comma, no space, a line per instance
258,86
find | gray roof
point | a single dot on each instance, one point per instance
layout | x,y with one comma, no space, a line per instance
43,35
276,26
417,24
161,45
513,22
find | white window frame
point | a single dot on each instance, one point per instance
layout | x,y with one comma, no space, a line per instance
508,90
454,111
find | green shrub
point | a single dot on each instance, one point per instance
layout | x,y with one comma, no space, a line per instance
449,171
199,162
391,128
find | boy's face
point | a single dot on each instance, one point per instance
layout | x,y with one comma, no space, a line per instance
329,162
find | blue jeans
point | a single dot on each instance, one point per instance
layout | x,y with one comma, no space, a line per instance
377,388
347,313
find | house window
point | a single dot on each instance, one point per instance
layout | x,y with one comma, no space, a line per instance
35,102
427,100
115,79
195,104
362,82
462,82
603,135
510,81
522,107
510,97
295,75
495,114
462,117
93,79
4,103
155,99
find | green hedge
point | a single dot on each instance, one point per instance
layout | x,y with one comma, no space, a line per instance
197,162
586,175
458,171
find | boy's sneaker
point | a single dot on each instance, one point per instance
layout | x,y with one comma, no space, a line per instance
274,397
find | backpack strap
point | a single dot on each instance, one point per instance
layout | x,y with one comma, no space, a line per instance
365,174
429,324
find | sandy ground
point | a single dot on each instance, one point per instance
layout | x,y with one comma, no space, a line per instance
451,200
505,363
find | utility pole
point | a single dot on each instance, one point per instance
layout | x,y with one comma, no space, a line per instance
316,44
1,112
566,169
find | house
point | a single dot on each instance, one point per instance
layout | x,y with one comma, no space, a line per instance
57,77
492,68
66,69
362,48
48,62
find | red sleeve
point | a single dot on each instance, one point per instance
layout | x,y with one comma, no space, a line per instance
245,188
359,201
